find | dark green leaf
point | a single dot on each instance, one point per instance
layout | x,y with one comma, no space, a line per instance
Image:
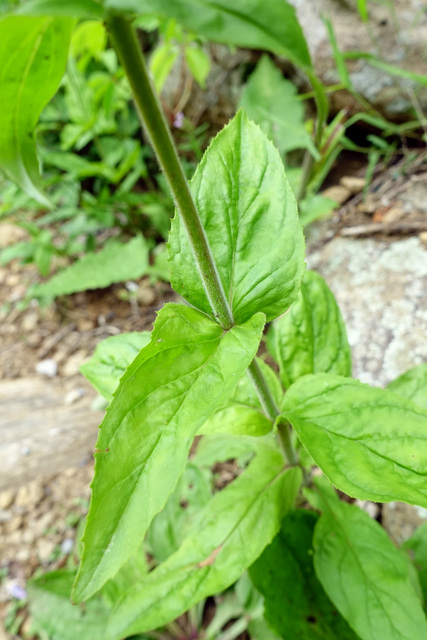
115,262
110,360
364,574
250,217
33,55
51,608
417,544
296,605
243,414
226,538
371,443
246,23
272,102
311,337
58,8
412,385
190,367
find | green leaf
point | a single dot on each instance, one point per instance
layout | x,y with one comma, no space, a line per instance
70,8
370,443
221,447
161,63
364,574
115,262
50,606
148,430
229,534
110,360
250,218
199,64
33,55
243,414
272,102
311,337
254,24
412,385
296,605
417,544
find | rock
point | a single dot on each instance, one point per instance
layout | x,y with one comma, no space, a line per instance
353,184
6,499
74,395
14,524
73,364
400,520
29,495
47,367
10,234
371,508
45,548
394,214
390,33
29,322
67,546
380,288
338,193
145,295
423,237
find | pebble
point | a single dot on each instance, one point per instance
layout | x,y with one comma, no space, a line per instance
45,548
353,184
47,367
423,237
67,546
14,524
145,295
339,193
73,364
29,322
30,494
73,395
6,499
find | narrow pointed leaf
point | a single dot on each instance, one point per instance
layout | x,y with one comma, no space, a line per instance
246,23
365,575
189,369
243,414
311,337
71,8
33,55
412,385
371,443
228,536
250,218
296,605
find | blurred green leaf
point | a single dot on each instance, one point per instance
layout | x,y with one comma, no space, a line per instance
412,385
199,64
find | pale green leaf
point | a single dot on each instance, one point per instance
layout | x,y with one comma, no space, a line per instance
295,603
272,102
311,337
110,360
61,8
219,447
115,262
364,574
253,24
190,367
412,385
33,55
52,611
161,63
243,414
199,64
371,443
229,534
250,218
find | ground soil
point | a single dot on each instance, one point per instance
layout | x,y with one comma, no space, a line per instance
44,494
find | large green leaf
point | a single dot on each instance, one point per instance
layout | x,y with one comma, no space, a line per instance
189,369
50,606
229,534
243,414
33,55
272,102
412,385
417,544
364,574
111,359
371,443
255,24
72,8
311,337
115,262
250,218
296,605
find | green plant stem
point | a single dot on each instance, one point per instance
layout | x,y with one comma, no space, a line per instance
272,412
157,129
307,166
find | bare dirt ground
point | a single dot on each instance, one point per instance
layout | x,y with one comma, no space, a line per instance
48,425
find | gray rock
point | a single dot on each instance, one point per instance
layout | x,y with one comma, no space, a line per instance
395,33
47,367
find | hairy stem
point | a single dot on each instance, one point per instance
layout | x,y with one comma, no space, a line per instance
156,127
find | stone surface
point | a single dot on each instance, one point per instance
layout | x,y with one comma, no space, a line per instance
400,520
380,288
396,32
47,368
